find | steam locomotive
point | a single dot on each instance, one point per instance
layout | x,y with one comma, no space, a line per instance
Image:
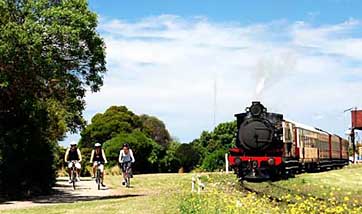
270,147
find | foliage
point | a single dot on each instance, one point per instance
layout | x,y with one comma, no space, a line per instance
50,53
144,149
103,127
188,156
27,157
119,119
156,129
86,155
212,146
147,135
59,153
214,161
118,125
170,162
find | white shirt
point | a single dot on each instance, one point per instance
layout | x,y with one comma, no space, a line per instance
126,157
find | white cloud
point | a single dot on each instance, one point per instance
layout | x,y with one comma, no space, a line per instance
166,66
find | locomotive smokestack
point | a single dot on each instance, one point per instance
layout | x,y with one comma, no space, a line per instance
256,108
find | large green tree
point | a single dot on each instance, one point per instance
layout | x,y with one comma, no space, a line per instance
119,119
145,151
213,145
147,135
105,126
187,156
50,54
156,129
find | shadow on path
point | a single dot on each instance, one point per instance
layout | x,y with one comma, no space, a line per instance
63,193
69,198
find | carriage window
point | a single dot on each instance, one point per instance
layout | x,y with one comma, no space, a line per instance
287,134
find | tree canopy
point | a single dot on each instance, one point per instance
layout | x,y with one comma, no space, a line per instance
103,127
156,129
212,146
147,136
153,147
119,119
50,54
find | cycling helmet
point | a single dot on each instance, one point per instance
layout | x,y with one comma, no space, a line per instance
73,143
97,145
126,145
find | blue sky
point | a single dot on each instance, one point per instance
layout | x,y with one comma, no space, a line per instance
164,58
245,12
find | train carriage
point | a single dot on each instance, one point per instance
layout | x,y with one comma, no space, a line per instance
269,146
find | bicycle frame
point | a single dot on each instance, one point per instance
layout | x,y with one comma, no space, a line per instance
99,177
127,173
73,174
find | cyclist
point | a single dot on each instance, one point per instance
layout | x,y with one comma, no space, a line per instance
125,159
73,154
98,155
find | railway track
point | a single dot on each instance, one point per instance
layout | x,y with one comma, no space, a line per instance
246,188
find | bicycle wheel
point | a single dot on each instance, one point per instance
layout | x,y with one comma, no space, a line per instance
128,181
98,179
73,179
129,175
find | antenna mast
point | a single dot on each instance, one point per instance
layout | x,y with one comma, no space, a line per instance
215,96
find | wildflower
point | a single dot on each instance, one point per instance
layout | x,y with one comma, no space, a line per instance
238,203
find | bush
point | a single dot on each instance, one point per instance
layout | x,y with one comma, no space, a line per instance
145,151
188,156
214,161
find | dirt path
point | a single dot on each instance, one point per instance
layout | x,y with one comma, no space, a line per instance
86,190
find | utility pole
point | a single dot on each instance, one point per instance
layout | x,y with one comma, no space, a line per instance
353,128
215,101
353,135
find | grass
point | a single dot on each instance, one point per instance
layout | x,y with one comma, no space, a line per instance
340,183
337,191
154,193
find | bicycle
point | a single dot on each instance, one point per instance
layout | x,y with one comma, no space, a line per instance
99,178
127,173
73,174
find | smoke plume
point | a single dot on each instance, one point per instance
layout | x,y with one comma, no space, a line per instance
270,70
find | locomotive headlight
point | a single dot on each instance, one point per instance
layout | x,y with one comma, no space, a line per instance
256,110
271,162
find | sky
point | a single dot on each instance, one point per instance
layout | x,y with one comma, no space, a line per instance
186,61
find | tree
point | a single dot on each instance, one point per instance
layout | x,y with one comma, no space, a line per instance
103,127
156,129
214,161
212,146
188,156
50,54
145,150
170,162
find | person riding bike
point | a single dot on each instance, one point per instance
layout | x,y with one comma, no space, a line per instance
73,155
125,159
98,156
